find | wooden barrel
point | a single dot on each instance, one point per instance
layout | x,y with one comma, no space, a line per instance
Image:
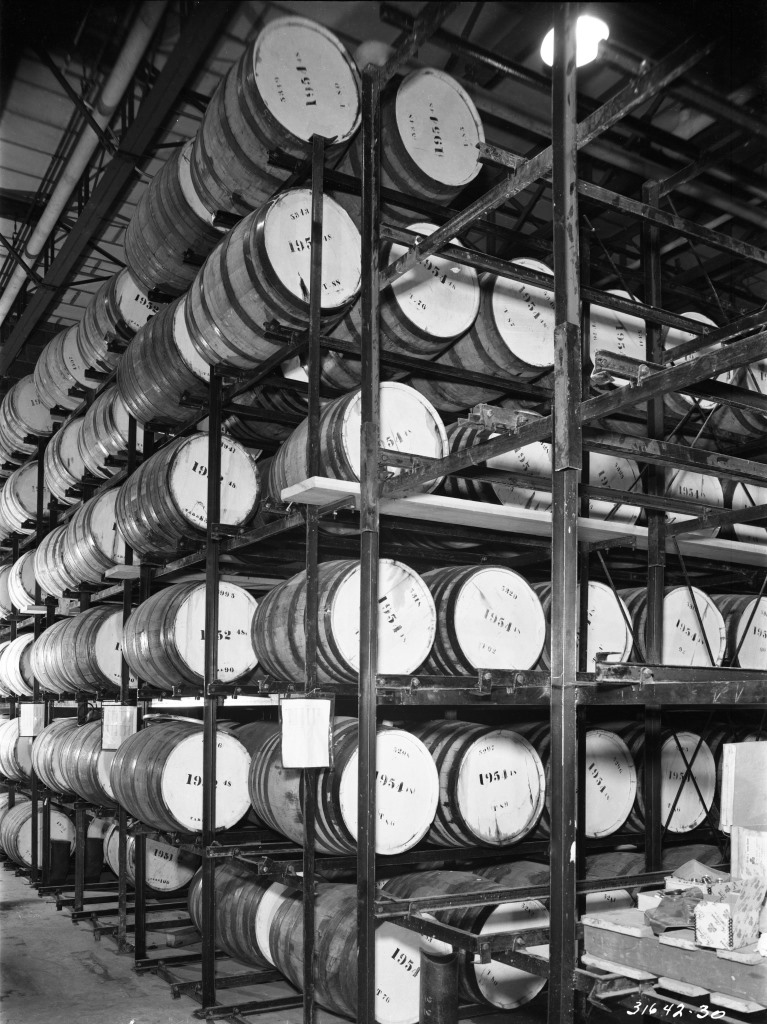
613,331
743,422
63,465
165,502
21,582
167,868
104,433
513,336
742,496
164,638
169,221
46,755
120,307
15,751
261,272
268,906
524,873
60,369
491,784
406,791
408,424
295,79
49,566
160,366
85,765
406,623
240,893
6,604
487,617
610,781
94,544
607,629
4,808
15,665
337,370
18,501
494,983
683,641
16,832
23,414
5,689
691,486
680,404
744,614
430,133
156,776
82,652
267,399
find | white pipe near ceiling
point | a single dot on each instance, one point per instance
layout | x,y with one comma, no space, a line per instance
141,32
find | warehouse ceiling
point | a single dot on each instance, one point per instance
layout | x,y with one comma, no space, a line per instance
56,57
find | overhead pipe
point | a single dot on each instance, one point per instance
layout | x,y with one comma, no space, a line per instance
130,56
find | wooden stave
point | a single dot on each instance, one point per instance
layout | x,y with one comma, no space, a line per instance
15,751
270,399
50,569
449,742
163,227
14,512
46,755
147,513
84,559
734,609
15,665
104,434
79,752
16,423
60,477
76,650
227,175
51,671
239,891
152,376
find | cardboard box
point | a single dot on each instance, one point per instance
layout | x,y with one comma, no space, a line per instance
732,921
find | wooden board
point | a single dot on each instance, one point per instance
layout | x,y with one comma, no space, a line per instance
627,922
741,1005
682,988
682,938
744,955
624,971
743,981
436,508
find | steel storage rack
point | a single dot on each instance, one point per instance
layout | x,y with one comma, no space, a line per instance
566,692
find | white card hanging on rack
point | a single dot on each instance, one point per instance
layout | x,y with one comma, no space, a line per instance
306,732
31,719
117,724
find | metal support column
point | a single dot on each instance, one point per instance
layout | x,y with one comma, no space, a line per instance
210,713
566,466
139,842
369,528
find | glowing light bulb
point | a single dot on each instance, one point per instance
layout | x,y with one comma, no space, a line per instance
589,33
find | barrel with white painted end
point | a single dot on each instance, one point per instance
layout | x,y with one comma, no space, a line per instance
681,404
487,617
49,565
63,466
16,832
15,751
608,630
24,417
513,336
494,983
160,366
61,370
22,583
165,502
46,755
85,765
406,791
688,779
261,272
16,666
93,543
166,868
746,423
408,423
706,491
18,501
615,331
406,623
164,638
294,80
81,652
743,496
430,133
6,604
5,690
745,619
156,775
169,220
240,893
694,632
104,434
491,784
119,308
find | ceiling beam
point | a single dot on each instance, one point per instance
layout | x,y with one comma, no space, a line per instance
199,33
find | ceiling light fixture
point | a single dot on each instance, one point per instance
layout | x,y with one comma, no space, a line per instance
589,33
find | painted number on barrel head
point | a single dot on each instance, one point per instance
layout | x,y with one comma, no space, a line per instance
487,778
196,780
405,961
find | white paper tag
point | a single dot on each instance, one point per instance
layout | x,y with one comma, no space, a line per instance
117,724
32,719
306,732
